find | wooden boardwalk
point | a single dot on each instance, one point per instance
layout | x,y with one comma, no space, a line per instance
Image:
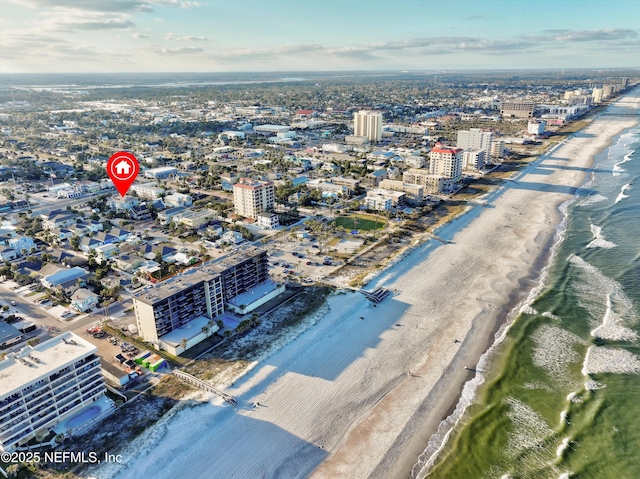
205,386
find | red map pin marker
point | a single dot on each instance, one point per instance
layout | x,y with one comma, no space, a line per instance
123,168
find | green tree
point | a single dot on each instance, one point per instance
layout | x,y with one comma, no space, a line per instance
74,242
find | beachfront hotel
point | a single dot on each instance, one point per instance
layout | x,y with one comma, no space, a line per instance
187,306
43,385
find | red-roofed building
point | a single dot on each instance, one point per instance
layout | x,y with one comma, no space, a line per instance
305,113
446,162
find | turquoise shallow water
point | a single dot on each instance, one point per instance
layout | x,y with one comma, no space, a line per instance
564,398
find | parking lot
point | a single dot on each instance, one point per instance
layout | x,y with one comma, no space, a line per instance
299,259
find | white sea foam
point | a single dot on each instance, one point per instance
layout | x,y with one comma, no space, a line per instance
611,327
608,360
592,291
593,199
621,195
530,429
550,315
592,385
574,398
537,385
528,309
599,241
563,416
617,169
566,475
562,447
554,351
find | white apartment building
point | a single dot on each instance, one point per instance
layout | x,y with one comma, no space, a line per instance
44,384
378,200
597,95
432,184
268,221
368,124
473,160
252,197
475,139
497,149
446,162
176,200
149,191
414,193
536,127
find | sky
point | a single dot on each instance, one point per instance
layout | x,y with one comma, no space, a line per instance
311,35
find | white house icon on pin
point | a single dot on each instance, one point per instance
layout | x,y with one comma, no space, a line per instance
123,168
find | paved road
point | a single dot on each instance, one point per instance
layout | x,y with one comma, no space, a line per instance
25,308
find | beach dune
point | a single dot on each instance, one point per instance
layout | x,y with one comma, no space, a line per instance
358,397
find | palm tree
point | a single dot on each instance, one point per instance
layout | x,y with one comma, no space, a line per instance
183,343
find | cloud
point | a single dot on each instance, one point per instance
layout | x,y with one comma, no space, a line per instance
36,46
592,35
139,35
178,51
108,24
111,6
248,54
171,36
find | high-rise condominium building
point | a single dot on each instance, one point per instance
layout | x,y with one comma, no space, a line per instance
42,385
475,139
252,197
165,313
446,162
368,124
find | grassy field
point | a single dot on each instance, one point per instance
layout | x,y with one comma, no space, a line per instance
360,222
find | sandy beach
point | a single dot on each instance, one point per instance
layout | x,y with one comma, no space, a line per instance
360,398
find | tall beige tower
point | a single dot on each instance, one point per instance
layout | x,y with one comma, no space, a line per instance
368,124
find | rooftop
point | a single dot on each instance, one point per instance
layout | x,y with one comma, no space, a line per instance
205,272
188,331
46,357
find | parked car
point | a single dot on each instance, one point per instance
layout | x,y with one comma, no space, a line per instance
13,303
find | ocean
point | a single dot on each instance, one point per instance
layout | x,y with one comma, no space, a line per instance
562,396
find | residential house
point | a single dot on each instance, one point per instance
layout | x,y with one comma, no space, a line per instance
61,234
105,252
118,203
88,244
22,244
67,279
177,199
150,252
140,213
58,219
128,263
8,254
83,300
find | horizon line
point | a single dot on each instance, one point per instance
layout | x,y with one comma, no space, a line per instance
432,71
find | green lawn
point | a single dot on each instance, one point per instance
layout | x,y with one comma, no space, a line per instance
364,222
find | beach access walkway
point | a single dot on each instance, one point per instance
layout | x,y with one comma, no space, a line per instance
205,386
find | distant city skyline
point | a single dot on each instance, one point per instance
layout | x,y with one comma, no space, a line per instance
286,35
